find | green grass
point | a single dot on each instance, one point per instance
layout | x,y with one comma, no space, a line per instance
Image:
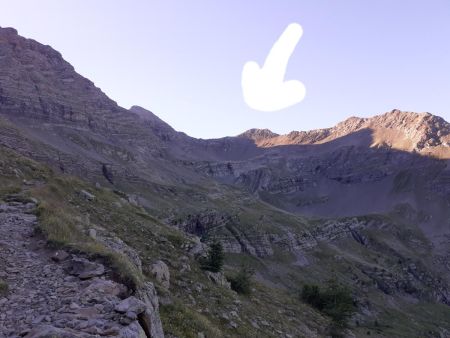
182,321
58,225
123,270
64,226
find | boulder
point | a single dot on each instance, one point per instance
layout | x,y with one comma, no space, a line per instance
218,278
117,245
92,233
196,248
150,319
134,330
87,195
160,271
131,304
83,268
59,256
133,200
102,291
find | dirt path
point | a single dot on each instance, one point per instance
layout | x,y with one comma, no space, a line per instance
45,300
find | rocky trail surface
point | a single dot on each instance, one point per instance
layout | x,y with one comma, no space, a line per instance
57,295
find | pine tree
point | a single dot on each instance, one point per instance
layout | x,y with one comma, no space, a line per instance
214,260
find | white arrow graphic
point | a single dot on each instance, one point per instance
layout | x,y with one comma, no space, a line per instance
264,87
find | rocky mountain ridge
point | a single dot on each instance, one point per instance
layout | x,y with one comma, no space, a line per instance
395,129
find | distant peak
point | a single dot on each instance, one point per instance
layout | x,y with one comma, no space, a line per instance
136,109
144,113
397,129
8,31
149,116
258,134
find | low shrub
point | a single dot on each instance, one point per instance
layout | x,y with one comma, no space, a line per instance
242,281
335,301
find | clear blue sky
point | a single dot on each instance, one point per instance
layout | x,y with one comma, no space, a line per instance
183,59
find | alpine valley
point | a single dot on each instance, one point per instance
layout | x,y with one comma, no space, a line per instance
106,213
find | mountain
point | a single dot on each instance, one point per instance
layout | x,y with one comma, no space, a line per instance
406,131
364,203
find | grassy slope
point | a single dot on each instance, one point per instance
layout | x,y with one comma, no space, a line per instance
197,304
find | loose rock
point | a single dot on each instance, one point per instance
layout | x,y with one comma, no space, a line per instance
161,272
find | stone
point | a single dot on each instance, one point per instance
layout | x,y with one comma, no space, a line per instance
131,315
103,287
49,331
149,319
133,200
74,306
197,248
87,195
117,245
83,268
160,271
125,320
59,256
133,330
218,278
92,233
131,304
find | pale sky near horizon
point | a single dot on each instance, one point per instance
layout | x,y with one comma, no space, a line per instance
183,59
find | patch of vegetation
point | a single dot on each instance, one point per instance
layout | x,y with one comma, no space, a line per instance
57,225
241,282
177,240
335,301
3,288
64,227
182,321
123,270
9,189
214,260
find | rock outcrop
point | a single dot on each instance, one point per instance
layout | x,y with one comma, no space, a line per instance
218,278
161,272
149,319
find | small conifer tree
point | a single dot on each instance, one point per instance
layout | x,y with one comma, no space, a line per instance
214,261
